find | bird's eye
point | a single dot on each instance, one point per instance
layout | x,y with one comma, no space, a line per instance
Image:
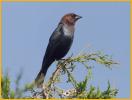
73,16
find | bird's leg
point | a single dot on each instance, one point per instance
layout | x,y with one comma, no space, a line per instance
61,61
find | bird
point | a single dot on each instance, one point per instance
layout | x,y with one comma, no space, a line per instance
59,44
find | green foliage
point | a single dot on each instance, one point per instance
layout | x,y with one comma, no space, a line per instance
94,93
109,93
82,89
81,86
8,93
5,86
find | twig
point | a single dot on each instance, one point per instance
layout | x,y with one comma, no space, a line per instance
64,66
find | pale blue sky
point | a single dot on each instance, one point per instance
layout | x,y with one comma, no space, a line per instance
26,28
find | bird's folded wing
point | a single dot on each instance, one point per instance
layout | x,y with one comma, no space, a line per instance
54,42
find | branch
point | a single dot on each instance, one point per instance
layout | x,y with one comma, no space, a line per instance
66,67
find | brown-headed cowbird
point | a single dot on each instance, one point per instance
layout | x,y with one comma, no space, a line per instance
59,44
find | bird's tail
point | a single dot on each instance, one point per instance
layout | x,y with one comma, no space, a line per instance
41,75
40,79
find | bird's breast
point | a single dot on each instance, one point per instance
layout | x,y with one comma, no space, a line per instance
68,31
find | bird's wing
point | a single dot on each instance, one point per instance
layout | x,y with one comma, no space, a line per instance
53,42
57,33
49,54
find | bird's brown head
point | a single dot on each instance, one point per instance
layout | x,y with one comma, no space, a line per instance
70,19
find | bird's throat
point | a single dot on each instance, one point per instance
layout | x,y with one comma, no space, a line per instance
68,30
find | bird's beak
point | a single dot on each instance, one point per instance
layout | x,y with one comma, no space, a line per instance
78,17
